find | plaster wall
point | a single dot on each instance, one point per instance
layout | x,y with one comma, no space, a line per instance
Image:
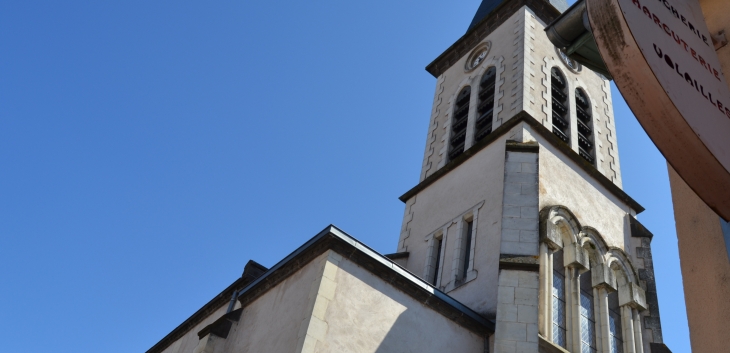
272,322
369,315
562,182
705,268
333,305
189,341
479,180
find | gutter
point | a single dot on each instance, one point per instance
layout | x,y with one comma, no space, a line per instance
361,254
571,32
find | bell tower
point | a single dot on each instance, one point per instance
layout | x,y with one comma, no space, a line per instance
519,212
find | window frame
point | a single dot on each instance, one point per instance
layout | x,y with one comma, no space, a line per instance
464,253
434,268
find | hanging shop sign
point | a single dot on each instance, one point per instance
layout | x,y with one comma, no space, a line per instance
661,56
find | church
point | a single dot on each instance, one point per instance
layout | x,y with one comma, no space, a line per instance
517,238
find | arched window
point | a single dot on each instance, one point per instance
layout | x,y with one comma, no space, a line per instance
458,124
587,315
583,312
561,121
624,321
485,110
560,325
585,125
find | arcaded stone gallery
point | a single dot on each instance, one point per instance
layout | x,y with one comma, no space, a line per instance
517,238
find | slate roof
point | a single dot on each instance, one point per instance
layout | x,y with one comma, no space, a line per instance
487,6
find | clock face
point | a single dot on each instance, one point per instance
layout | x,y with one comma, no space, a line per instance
570,63
478,56
478,60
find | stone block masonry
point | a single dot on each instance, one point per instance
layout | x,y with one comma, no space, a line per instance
516,329
519,209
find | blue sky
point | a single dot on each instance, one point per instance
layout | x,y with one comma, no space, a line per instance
150,149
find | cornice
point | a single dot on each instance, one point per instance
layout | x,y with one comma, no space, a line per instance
545,134
543,9
332,238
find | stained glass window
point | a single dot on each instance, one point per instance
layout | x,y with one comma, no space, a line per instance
559,322
587,324
614,324
587,318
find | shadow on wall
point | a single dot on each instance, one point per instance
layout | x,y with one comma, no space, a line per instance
393,341
370,315
410,334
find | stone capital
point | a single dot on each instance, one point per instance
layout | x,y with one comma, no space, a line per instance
633,295
575,256
603,277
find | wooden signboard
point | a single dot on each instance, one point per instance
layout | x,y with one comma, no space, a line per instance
662,59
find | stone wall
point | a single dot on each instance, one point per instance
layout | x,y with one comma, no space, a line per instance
517,312
520,213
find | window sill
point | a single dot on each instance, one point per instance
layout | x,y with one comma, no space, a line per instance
453,285
549,347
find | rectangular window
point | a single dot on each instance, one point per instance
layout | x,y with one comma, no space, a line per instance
467,249
559,324
614,324
587,319
437,259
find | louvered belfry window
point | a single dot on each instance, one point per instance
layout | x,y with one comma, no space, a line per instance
458,124
561,119
585,125
485,110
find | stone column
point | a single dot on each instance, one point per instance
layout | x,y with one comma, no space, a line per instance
604,326
637,331
545,291
573,306
597,315
549,310
631,298
627,320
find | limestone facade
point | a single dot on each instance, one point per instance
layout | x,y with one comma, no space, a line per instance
537,209
523,241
